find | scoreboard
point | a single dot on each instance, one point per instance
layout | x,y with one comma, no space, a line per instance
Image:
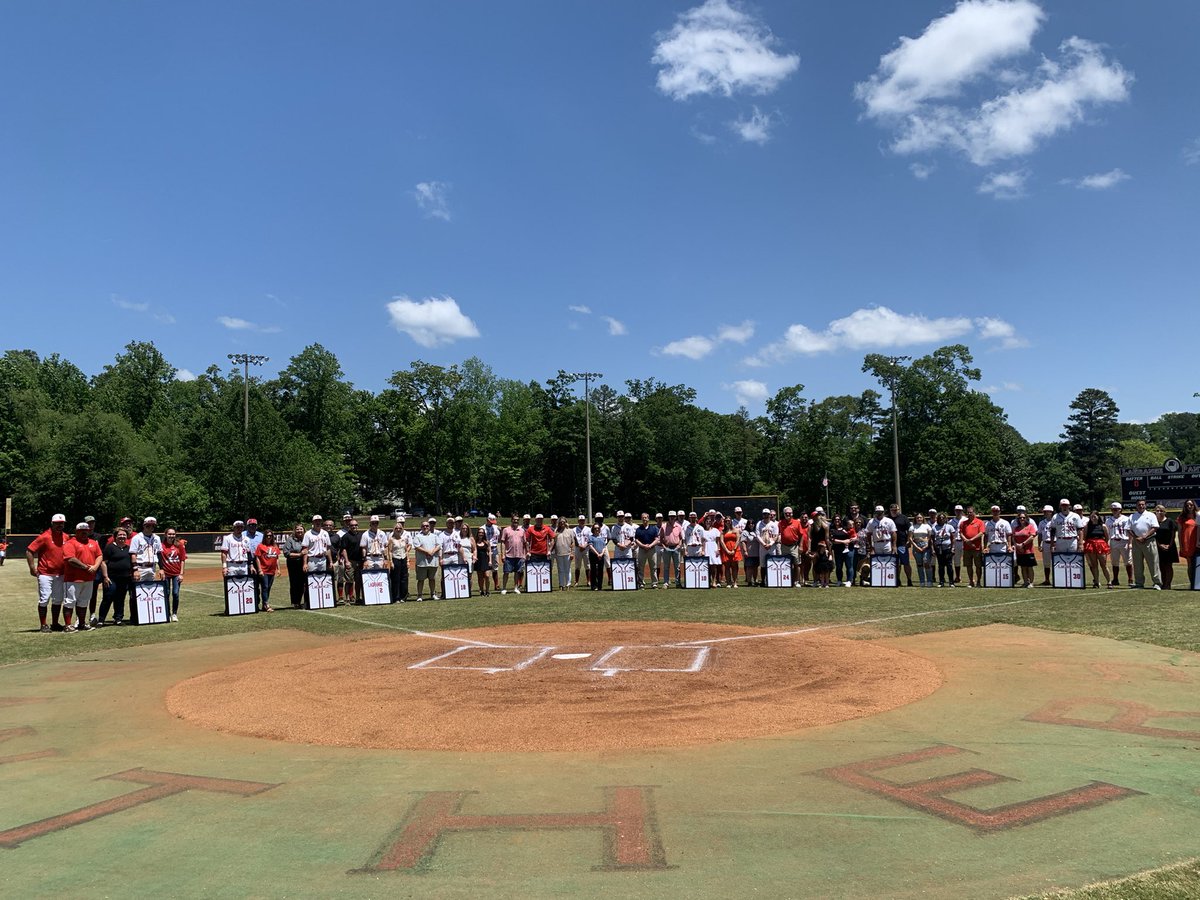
1170,485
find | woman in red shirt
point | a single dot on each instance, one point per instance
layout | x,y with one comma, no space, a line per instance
1187,538
267,554
174,557
731,552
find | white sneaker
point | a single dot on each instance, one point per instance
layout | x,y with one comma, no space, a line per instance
436,597
845,584
174,618
516,590
503,592
1158,587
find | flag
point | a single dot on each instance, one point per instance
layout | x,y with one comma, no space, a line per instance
825,481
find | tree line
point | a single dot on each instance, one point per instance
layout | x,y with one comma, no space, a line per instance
134,439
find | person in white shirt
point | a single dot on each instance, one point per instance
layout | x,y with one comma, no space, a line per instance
882,533
999,533
1066,527
739,521
1143,530
146,550
428,551
1118,543
583,537
768,542
235,552
315,548
374,545
955,522
712,547
1045,538
491,531
399,549
450,542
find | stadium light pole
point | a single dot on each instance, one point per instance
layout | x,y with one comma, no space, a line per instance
587,419
892,381
246,359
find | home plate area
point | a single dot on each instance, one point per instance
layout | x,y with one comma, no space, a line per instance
573,686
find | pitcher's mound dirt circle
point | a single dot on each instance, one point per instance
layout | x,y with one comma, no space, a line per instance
562,686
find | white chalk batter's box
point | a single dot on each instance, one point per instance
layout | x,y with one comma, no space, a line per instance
679,658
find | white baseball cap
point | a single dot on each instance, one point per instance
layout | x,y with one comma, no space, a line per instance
1021,509
1064,500
58,517
539,516
149,520
491,517
766,510
1115,505
83,526
582,517
317,517
374,518
1047,508
620,513
957,507
878,509
995,508
1077,506
737,509
820,510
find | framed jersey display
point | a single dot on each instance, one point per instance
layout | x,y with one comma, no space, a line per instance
239,595
1068,570
456,581
695,571
150,598
376,590
883,571
537,576
624,575
997,570
320,590
779,571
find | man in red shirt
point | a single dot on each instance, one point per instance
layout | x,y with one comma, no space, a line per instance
973,530
82,559
45,558
538,539
791,541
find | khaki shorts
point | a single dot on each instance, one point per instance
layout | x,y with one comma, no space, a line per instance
1119,553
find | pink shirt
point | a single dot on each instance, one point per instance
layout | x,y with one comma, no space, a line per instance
513,540
671,535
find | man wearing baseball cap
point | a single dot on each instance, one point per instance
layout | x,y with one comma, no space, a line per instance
1045,527
670,540
82,559
582,535
45,558
512,537
955,522
1118,543
492,532
236,559
1066,527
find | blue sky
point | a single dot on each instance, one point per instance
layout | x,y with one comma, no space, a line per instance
733,196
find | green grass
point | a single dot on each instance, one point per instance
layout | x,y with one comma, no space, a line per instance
1168,619
1178,882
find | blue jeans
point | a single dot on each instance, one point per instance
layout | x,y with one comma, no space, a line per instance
670,563
171,590
923,560
267,581
847,561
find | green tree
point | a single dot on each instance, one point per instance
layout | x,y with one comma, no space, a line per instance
1091,434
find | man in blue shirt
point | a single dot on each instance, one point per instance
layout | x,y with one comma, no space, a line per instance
646,540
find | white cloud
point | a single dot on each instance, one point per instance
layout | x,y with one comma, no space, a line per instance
738,334
698,346
1101,181
582,310
1191,152
615,327
165,318
991,329
431,198
122,303
748,392
922,171
754,130
928,89
185,375
718,48
235,324
880,328
1004,185
695,347
954,49
431,322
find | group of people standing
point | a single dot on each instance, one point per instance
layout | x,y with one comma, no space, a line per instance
83,576
78,571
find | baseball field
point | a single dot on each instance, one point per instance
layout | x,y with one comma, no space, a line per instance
722,743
